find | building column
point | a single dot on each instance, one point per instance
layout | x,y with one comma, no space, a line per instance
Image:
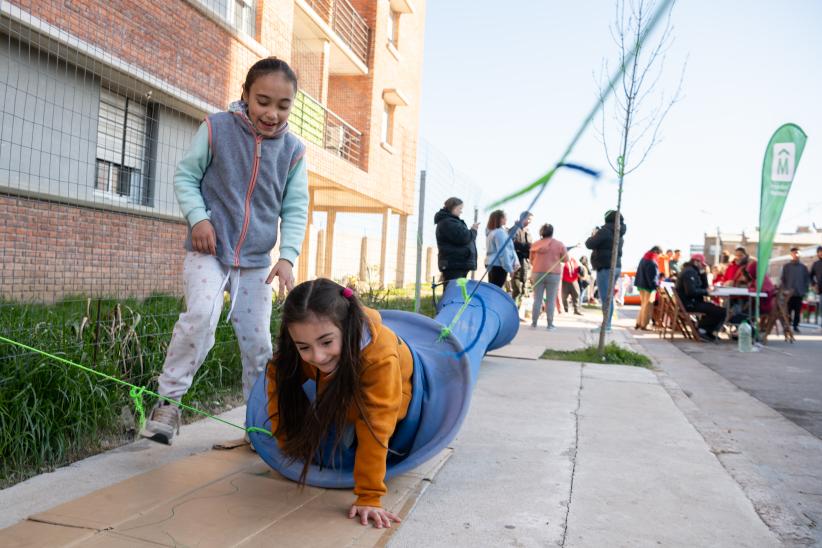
363,274
302,261
326,63
401,245
319,269
331,219
386,216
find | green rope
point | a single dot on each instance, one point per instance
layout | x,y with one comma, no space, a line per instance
136,392
543,181
137,396
446,331
463,283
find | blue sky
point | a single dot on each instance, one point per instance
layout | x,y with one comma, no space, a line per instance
504,90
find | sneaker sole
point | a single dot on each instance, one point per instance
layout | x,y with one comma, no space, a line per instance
159,438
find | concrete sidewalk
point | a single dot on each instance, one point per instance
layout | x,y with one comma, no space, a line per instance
552,453
569,454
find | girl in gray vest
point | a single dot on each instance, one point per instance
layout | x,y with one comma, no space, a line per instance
243,176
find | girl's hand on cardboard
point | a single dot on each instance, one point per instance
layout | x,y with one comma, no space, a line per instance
285,272
203,238
382,518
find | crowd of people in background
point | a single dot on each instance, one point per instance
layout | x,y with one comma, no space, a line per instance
544,272
541,270
693,282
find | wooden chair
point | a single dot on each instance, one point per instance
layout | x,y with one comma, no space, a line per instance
674,317
685,320
665,314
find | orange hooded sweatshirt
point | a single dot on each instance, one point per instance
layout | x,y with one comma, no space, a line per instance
385,378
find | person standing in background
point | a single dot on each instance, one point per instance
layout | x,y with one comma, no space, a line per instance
456,243
570,285
522,246
663,263
816,280
673,263
647,281
500,258
585,289
547,256
795,276
601,244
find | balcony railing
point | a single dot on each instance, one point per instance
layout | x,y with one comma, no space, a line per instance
346,22
315,123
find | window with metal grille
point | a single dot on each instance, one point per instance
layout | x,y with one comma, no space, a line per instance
122,148
240,14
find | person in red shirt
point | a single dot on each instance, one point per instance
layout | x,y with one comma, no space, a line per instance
570,285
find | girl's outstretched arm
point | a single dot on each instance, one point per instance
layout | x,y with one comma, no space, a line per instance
381,385
294,213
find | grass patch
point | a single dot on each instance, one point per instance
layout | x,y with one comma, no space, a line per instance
52,414
614,354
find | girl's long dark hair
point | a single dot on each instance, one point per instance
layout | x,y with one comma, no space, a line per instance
302,425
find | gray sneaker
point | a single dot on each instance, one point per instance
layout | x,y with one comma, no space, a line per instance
162,422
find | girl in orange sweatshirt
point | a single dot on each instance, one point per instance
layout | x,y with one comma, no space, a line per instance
362,372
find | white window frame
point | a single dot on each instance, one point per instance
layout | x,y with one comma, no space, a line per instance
123,128
227,11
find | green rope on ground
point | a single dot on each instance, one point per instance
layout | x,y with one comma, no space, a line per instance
137,396
139,389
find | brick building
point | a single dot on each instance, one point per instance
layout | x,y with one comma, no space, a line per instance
100,101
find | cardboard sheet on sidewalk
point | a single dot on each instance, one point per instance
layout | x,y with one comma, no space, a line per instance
219,498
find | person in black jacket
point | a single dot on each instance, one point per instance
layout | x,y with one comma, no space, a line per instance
816,280
797,278
601,243
456,243
692,288
522,247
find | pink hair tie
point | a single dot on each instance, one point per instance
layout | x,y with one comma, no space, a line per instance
347,292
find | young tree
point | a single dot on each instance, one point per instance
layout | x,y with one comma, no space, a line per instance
638,107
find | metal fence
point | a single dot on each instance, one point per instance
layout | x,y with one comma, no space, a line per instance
95,118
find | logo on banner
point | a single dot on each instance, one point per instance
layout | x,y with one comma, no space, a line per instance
783,161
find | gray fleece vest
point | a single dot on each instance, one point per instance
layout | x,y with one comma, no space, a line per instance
243,188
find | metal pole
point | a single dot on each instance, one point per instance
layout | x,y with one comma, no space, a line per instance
476,218
717,250
420,217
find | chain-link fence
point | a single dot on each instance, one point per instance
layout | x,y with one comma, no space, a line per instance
100,101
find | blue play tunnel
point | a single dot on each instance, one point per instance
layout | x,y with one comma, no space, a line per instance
444,375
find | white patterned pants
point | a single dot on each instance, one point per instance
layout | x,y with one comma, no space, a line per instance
205,279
